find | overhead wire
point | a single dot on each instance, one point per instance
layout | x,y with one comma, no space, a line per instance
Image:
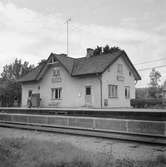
141,63
146,62
149,68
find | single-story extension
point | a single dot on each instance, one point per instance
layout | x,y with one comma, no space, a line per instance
102,81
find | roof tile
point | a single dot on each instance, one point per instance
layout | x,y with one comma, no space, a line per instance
81,66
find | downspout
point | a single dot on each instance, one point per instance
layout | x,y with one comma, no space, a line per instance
99,76
21,95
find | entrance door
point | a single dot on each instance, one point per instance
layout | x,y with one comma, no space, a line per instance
88,96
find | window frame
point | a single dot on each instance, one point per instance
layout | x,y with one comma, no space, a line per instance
88,93
30,92
130,73
56,93
127,92
112,91
120,68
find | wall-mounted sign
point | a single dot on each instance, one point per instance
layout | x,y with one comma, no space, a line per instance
56,75
120,78
56,79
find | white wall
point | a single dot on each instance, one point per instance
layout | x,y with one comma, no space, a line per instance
25,89
110,77
73,90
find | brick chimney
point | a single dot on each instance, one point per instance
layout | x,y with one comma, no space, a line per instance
89,52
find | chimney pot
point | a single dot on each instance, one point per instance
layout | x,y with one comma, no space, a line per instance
90,52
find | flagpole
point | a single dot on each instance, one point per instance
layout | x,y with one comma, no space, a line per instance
67,42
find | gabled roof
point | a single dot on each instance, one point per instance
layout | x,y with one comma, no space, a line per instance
94,64
33,74
1,80
68,62
81,66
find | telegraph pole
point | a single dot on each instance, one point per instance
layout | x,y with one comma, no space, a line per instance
67,23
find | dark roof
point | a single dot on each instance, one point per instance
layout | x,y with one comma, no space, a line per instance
1,79
81,66
94,64
33,74
67,62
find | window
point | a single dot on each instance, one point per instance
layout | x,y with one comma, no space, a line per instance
56,93
53,60
112,91
56,72
120,68
88,90
127,92
129,73
29,93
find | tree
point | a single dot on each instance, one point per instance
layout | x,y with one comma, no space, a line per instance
42,62
97,51
154,78
106,49
114,49
16,70
11,73
154,86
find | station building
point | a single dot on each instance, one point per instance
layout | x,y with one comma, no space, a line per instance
102,81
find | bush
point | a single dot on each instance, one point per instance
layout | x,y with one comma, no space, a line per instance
144,103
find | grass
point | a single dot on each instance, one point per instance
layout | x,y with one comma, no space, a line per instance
20,152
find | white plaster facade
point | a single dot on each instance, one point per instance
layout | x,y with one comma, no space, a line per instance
73,88
110,77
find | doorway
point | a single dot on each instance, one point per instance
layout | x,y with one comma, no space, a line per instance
88,96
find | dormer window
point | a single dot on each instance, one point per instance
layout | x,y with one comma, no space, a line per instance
120,68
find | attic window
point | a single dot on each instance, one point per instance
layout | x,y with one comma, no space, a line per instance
53,60
120,68
129,73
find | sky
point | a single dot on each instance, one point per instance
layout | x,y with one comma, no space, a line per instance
32,29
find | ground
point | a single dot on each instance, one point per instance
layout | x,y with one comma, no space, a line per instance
119,149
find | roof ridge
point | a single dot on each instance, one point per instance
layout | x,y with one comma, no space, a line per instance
63,54
44,64
80,66
70,63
